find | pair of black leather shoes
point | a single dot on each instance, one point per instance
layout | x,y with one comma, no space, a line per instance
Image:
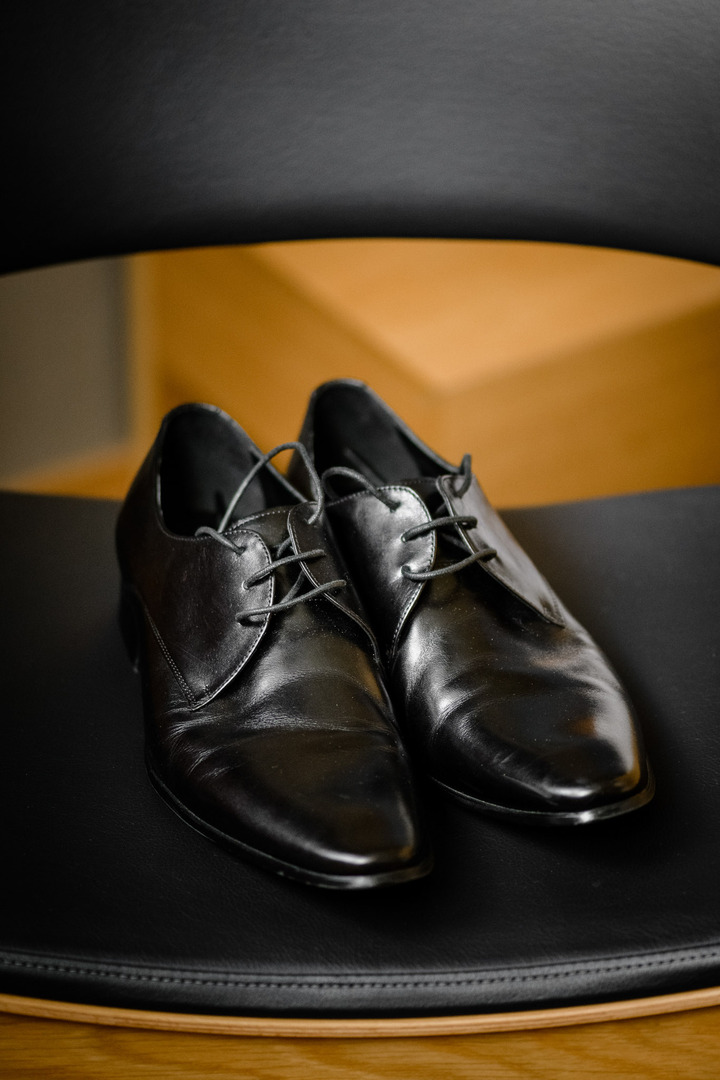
268,723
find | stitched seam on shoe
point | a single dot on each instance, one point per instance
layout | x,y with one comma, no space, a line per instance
210,694
419,586
199,702
349,498
552,605
546,606
370,982
383,487
403,615
173,666
246,523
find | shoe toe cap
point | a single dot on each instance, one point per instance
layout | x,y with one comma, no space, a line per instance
569,754
330,808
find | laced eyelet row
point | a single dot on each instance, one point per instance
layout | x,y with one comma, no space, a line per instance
418,531
293,596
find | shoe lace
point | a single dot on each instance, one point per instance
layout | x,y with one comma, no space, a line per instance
294,595
428,527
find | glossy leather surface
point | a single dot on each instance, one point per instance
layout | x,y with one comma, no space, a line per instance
271,733
506,698
109,898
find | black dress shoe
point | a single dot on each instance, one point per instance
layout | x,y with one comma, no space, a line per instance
508,700
267,724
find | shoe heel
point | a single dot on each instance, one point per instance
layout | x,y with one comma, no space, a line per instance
129,619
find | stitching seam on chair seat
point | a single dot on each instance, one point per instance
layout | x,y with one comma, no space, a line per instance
370,983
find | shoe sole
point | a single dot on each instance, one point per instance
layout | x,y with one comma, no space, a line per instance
554,817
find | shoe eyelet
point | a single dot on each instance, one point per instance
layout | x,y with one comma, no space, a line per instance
249,618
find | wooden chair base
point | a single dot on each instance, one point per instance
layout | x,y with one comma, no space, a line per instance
623,1040
403,1027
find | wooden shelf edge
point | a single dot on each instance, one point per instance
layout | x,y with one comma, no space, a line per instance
405,1027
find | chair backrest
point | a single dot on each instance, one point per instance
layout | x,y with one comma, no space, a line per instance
130,125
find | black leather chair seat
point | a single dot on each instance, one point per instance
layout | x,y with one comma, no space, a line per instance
108,898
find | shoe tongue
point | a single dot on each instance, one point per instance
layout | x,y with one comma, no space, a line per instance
426,487
271,525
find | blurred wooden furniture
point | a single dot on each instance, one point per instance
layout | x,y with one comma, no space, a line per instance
568,372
